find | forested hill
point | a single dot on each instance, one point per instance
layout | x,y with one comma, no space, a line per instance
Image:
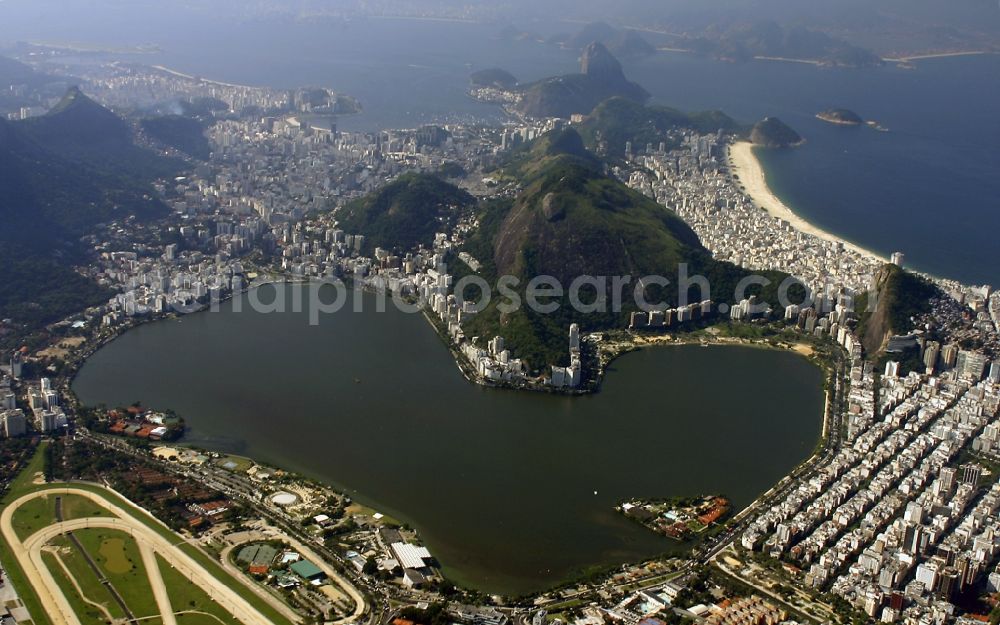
62,174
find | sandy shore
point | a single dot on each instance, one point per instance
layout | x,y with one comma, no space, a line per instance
174,72
744,164
935,55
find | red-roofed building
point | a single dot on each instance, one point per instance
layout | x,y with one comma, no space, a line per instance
210,508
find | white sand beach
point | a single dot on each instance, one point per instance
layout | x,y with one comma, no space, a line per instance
743,163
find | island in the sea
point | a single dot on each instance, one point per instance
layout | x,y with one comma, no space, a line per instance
844,117
847,117
771,132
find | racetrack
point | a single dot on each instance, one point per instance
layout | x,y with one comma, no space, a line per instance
57,606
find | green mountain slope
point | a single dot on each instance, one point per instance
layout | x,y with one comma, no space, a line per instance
79,129
571,220
405,213
182,133
493,77
618,120
771,132
901,297
60,175
50,197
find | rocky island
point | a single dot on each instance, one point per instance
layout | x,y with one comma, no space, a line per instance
844,117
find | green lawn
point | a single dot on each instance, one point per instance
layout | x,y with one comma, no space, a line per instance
40,513
21,485
117,555
33,516
24,482
199,619
185,595
85,577
77,507
88,614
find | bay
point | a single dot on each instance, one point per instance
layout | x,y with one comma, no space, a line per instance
929,188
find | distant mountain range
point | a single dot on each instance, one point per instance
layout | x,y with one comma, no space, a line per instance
13,72
769,39
730,41
61,174
624,43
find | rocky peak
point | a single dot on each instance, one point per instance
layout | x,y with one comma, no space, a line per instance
597,62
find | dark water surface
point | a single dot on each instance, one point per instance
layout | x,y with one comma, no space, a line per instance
511,491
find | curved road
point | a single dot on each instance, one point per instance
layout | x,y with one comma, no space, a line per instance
257,589
28,554
360,605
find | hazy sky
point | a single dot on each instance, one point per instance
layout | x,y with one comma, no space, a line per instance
937,22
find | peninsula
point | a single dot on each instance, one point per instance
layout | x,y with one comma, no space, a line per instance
771,132
601,77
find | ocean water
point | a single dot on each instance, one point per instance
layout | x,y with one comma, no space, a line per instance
929,188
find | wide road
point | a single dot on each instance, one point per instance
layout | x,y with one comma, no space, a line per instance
157,584
29,556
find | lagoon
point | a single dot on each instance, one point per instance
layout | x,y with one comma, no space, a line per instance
512,491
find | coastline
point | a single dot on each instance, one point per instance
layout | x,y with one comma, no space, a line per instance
178,74
935,55
744,164
838,122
